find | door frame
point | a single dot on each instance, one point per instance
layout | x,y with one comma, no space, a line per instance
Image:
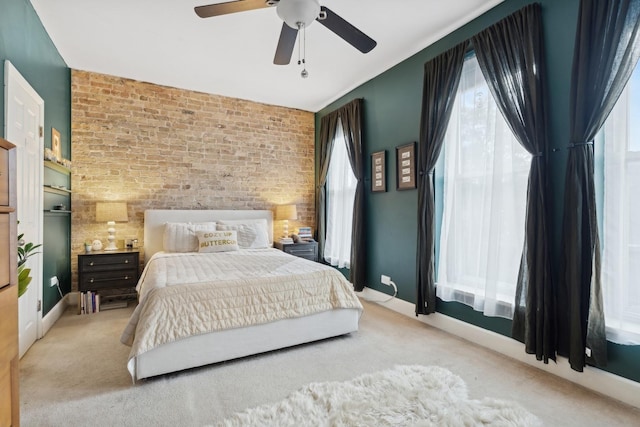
11,74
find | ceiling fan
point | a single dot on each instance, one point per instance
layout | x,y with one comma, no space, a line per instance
297,15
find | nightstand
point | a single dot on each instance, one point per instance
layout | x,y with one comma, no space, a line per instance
108,270
307,250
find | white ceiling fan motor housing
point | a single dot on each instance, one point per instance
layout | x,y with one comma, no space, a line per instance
293,12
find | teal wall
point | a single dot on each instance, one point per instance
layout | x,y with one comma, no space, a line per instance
392,104
24,42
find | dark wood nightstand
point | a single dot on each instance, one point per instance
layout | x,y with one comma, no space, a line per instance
307,250
107,271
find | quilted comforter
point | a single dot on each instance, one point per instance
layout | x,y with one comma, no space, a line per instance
184,294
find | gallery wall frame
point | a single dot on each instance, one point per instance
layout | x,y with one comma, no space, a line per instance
378,171
56,144
406,166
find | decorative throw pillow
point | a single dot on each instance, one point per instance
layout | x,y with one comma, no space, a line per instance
181,236
217,241
252,234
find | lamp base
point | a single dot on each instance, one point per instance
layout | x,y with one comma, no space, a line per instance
111,247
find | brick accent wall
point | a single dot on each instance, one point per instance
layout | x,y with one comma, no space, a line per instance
158,147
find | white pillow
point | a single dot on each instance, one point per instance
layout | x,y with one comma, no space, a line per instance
217,241
181,236
252,233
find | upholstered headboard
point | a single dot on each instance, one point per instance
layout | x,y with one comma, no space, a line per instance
155,219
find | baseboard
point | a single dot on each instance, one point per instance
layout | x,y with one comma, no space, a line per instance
595,379
73,298
54,314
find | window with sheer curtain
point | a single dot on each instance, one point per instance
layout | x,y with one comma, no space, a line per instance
621,217
485,188
341,191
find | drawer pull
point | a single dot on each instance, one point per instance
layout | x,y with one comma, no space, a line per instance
91,263
126,261
110,279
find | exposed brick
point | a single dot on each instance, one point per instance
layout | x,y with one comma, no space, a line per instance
158,147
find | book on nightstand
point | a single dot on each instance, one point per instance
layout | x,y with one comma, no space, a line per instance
286,240
304,233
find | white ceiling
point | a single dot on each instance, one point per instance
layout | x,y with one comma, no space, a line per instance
165,42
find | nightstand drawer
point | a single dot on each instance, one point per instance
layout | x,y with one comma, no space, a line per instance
302,251
109,279
307,250
108,262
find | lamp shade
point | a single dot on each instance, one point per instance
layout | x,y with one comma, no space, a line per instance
286,212
111,211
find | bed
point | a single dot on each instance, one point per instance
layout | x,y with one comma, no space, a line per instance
230,297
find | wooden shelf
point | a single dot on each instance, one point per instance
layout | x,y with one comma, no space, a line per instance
56,211
57,167
55,190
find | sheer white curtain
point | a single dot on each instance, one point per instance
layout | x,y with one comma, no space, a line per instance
485,187
621,222
341,191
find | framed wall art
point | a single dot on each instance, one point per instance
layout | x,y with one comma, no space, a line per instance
406,166
55,144
378,171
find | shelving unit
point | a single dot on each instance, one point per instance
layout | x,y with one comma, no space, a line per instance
57,230
57,187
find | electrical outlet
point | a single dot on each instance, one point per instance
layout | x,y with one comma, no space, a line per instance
53,281
386,280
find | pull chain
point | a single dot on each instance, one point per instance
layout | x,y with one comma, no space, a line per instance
303,42
300,25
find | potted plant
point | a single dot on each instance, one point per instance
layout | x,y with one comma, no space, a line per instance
25,250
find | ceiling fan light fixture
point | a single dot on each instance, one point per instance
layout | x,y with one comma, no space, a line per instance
293,12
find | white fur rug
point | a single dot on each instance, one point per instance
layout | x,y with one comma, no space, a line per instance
403,396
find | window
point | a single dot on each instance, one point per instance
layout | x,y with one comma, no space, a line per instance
485,188
341,191
621,217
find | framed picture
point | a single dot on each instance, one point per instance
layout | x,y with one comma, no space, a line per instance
55,144
406,166
378,171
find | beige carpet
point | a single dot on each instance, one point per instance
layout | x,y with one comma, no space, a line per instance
76,376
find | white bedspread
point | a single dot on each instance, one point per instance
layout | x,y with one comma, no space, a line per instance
228,290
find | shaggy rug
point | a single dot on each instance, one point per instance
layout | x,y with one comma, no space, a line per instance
403,396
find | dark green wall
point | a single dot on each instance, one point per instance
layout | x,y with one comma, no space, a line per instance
392,104
24,42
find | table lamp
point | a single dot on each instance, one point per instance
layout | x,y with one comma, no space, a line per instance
111,212
285,213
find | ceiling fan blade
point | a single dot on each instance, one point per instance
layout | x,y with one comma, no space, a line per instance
230,7
346,31
286,43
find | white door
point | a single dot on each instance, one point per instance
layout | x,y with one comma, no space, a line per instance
24,119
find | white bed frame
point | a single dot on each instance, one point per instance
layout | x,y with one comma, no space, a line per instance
234,343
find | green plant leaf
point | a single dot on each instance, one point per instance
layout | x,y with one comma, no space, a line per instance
23,280
24,274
